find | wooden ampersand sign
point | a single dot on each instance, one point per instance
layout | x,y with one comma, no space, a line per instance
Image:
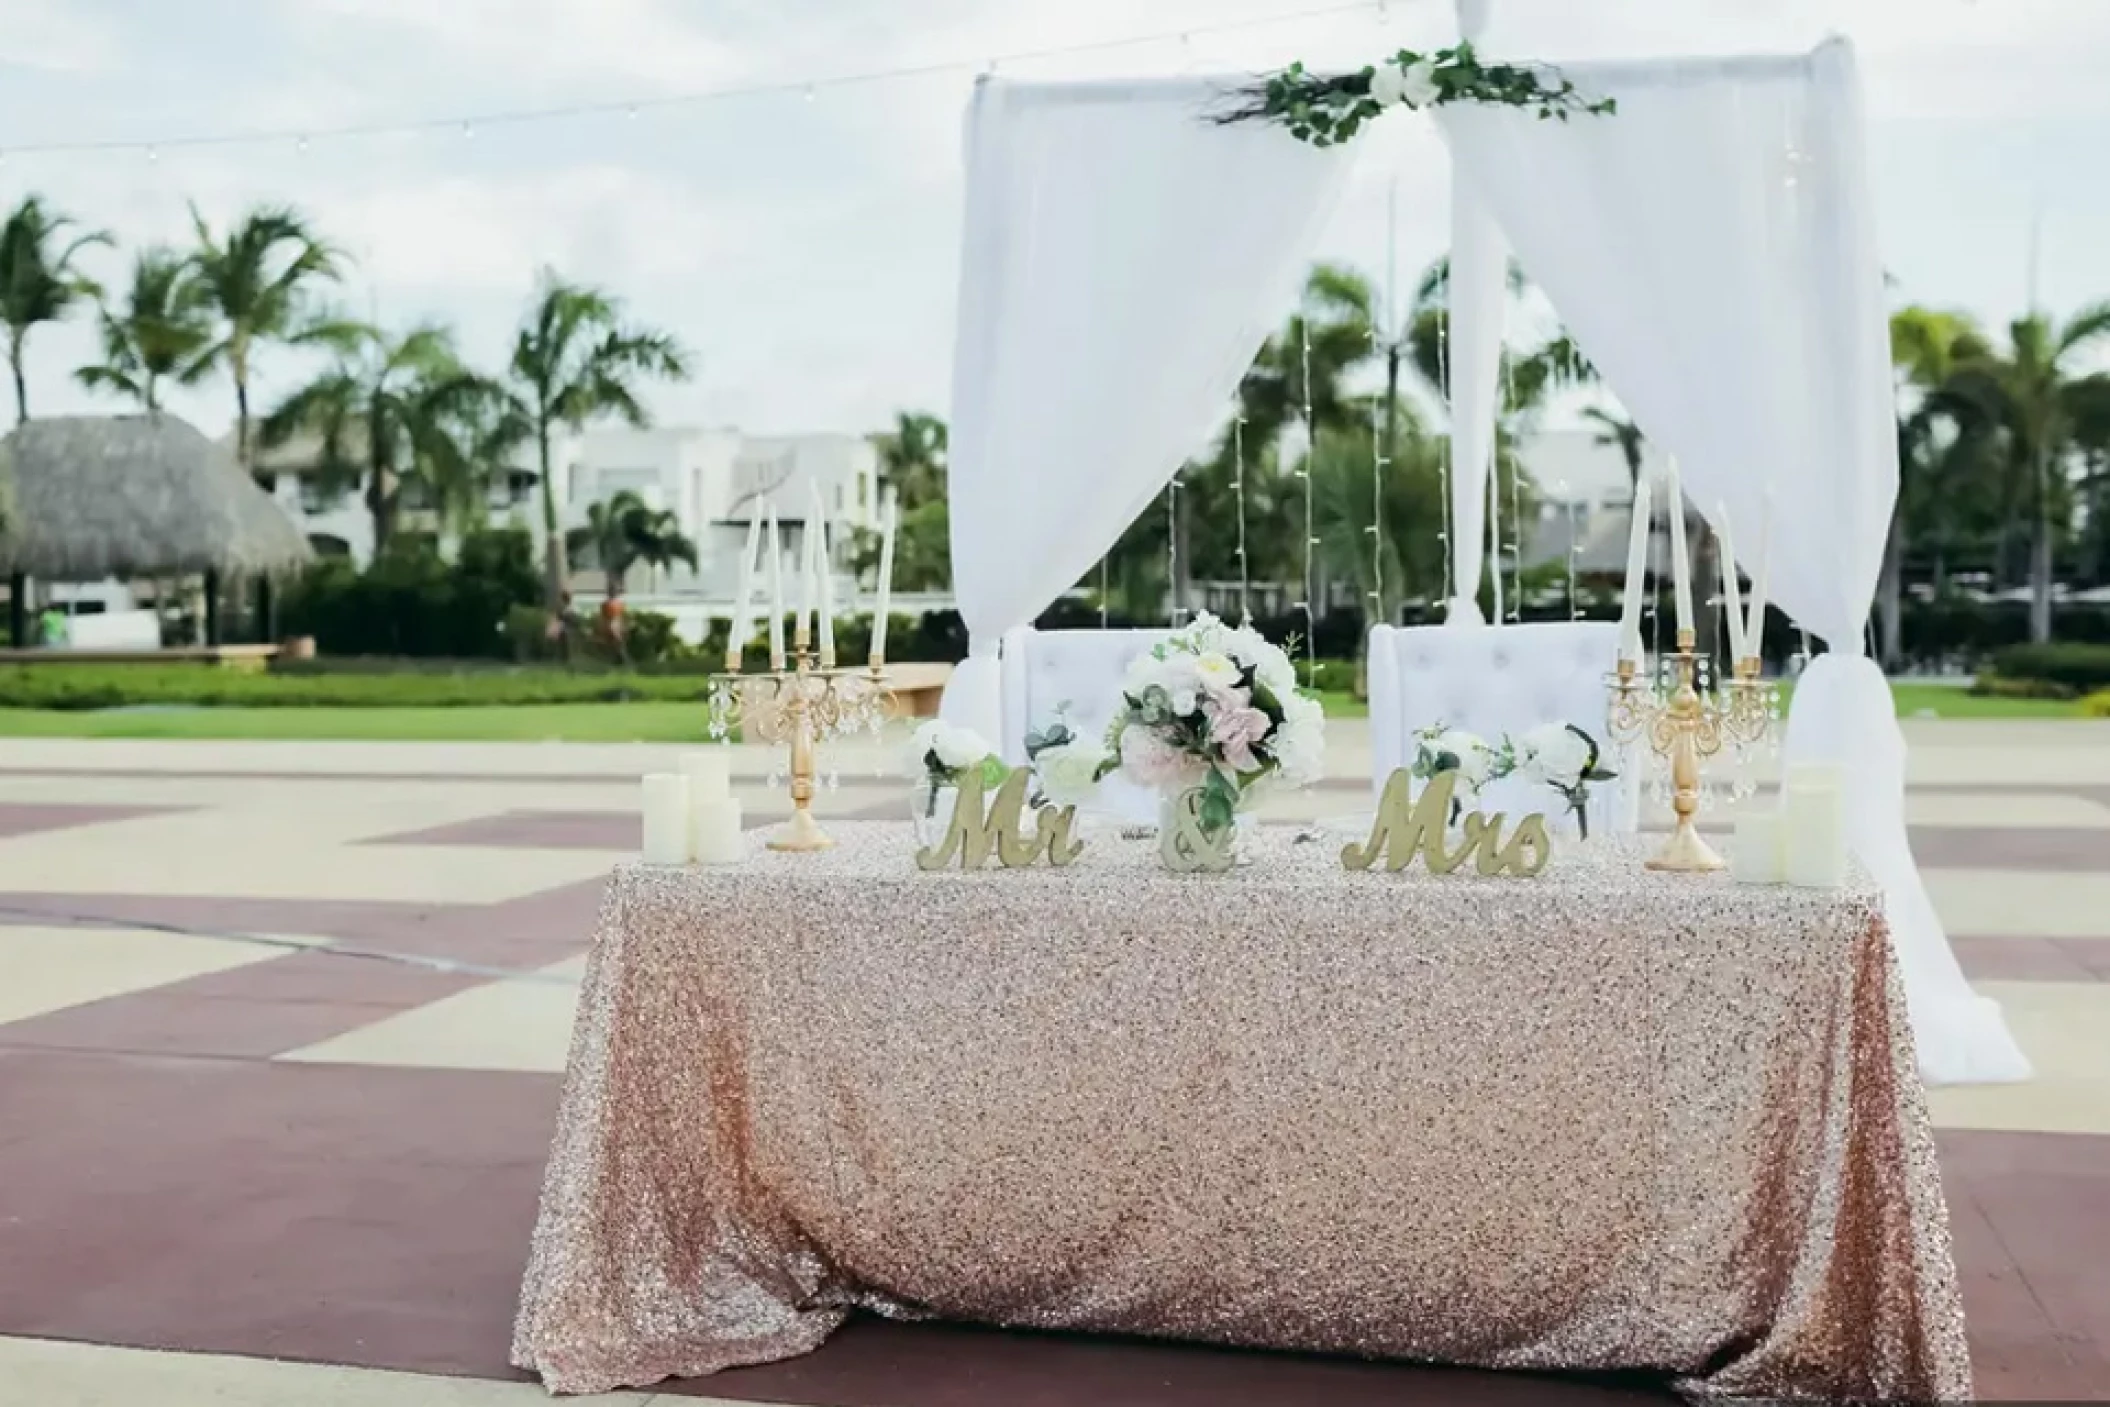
977,831
1187,846
1406,827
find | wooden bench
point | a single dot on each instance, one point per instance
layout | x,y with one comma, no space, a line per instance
918,685
249,659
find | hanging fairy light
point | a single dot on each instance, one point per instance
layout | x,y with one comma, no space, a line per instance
1172,545
1377,504
1245,575
1311,541
1574,546
1443,391
1516,501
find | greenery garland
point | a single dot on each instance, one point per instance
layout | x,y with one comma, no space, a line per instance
1326,110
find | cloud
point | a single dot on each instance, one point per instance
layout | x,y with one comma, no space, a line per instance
58,37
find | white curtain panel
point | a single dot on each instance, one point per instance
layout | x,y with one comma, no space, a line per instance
1478,296
1711,249
1125,257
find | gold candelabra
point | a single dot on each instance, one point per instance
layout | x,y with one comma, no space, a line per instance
1686,719
799,704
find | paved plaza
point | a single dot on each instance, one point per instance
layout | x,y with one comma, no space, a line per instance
281,1027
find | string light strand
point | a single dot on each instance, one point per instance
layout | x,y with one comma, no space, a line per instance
467,124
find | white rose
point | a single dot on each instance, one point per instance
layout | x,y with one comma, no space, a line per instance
1069,774
1388,85
1216,670
1554,754
960,747
1300,748
1418,86
920,746
1475,761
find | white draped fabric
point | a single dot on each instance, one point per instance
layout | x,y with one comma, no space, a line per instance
1125,257
1478,293
1712,251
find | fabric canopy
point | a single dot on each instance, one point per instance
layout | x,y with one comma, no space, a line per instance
1125,258
1710,248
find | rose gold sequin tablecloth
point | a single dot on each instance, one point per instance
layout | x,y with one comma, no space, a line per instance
1600,1119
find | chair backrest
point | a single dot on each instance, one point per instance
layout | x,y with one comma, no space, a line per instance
1491,680
1080,672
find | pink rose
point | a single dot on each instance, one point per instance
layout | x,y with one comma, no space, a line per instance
1150,761
1235,730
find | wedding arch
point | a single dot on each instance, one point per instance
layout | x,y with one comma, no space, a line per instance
1710,247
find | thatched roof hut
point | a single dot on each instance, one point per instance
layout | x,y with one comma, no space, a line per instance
83,497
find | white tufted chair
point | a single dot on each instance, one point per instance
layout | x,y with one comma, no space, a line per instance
1080,671
1491,680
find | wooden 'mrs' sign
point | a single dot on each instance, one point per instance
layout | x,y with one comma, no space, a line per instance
977,832
1406,827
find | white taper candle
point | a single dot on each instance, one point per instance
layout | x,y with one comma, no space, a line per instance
1732,603
1680,564
776,592
891,511
1636,574
824,574
1755,623
738,628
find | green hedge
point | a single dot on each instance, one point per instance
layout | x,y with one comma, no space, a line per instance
2076,667
80,687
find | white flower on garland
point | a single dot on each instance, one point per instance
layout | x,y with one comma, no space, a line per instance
1418,85
1447,749
941,754
1388,85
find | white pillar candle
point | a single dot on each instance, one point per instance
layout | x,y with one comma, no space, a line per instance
1813,821
1755,623
824,572
1732,605
666,817
1680,564
1636,575
736,630
776,592
1755,850
710,775
886,578
714,833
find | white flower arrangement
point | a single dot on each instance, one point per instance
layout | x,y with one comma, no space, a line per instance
1560,756
1216,707
1066,766
941,755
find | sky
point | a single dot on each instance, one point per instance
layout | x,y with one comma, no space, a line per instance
803,242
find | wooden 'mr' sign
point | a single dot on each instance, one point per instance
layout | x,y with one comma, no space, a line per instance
1406,827
979,831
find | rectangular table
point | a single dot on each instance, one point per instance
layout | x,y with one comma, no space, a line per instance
1601,1119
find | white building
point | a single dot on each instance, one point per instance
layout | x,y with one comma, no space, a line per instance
713,480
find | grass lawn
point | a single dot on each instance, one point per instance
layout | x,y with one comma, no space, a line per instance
649,722
653,722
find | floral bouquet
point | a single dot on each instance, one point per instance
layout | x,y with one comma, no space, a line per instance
1066,766
1565,758
1557,755
1217,708
942,756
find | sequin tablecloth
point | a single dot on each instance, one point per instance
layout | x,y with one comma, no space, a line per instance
1599,1119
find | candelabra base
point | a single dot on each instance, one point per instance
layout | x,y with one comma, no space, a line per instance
801,834
1686,853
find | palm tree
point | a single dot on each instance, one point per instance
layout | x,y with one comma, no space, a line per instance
912,458
155,335
481,444
608,538
38,281
575,361
384,413
2033,395
656,539
1937,435
258,284
1614,429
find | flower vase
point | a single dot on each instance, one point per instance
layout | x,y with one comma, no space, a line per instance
931,805
1186,846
